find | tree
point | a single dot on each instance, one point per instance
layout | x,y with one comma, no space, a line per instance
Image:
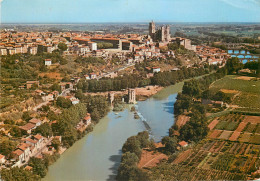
95,115
56,144
18,174
44,129
233,65
15,131
62,46
79,94
170,144
56,87
128,169
26,116
39,166
132,145
63,102
7,146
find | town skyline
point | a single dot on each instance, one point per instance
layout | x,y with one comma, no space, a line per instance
112,11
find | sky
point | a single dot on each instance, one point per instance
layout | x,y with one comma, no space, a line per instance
90,11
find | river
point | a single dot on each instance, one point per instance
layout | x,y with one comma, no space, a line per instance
97,155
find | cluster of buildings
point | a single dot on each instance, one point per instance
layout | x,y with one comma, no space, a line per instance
87,44
35,145
212,55
127,47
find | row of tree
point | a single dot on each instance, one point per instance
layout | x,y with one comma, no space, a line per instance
132,150
134,80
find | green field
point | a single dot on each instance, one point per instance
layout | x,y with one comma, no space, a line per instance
248,97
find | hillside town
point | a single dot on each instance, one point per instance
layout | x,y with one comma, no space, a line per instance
37,106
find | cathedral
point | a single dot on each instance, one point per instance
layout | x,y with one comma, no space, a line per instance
161,34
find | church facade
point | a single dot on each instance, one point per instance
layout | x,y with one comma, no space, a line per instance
161,34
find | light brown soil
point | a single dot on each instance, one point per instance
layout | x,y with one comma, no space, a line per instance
241,126
213,124
244,78
148,90
51,75
234,136
245,137
142,91
229,91
252,119
150,159
182,120
182,157
225,134
215,133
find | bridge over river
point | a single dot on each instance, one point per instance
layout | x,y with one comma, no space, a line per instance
243,55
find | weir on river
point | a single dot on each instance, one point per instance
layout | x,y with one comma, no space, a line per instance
97,155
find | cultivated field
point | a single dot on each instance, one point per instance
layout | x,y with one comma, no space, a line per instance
245,91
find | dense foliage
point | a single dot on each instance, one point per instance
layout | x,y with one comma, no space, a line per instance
132,150
18,174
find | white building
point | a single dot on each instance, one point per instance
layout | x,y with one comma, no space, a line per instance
92,46
156,69
47,62
2,159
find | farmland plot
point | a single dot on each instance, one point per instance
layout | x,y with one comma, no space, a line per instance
245,137
234,136
225,135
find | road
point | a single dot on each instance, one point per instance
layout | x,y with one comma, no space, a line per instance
118,69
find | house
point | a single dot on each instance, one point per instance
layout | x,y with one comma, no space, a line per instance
21,154
35,121
39,92
183,144
47,62
87,77
156,69
28,127
2,159
87,119
26,149
92,46
74,100
218,103
66,85
36,142
93,76
49,97
29,84
28,168
84,123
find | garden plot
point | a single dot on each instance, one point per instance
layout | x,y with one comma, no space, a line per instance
241,126
245,137
215,133
234,136
251,128
255,139
225,135
213,124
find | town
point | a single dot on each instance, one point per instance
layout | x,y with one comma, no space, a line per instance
56,86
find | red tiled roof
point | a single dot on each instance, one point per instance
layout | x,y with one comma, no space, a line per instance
34,121
1,156
18,152
27,127
183,143
38,137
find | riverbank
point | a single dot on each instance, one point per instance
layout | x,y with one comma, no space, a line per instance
97,155
142,93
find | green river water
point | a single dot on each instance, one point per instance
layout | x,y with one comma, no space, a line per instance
97,155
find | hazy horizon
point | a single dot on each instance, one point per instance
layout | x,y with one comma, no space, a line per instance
125,11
